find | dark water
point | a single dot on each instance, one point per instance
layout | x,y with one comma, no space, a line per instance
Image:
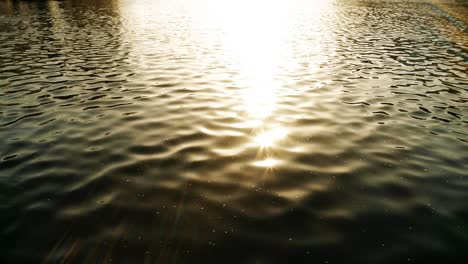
233,131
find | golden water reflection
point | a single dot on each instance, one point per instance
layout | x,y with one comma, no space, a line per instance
255,43
267,163
255,40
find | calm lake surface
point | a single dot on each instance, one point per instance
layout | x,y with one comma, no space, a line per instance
138,131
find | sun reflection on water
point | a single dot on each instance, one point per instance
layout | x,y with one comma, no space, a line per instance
267,138
259,42
253,40
267,163
255,43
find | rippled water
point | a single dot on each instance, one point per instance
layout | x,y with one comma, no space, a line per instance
330,131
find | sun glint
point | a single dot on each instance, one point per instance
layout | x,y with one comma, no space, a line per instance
267,163
268,138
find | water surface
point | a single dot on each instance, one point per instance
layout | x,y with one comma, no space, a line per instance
330,131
